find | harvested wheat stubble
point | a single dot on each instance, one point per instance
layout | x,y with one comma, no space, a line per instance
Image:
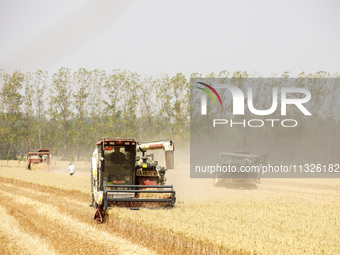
84,236
47,178
18,240
284,217
138,234
36,194
39,221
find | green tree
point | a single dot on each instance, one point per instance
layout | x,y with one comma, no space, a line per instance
40,85
28,113
146,104
60,103
164,98
11,100
82,81
131,85
113,86
180,90
96,104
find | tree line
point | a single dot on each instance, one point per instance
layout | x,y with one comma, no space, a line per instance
68,112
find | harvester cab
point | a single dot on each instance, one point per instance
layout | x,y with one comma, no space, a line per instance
121,178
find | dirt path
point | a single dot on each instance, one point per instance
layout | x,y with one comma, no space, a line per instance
43,220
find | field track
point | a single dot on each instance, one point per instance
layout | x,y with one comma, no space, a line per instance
47,212
41,220
49,220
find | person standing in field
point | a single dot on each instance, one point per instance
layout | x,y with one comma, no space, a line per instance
71,168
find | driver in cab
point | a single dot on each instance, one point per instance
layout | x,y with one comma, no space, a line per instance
117,157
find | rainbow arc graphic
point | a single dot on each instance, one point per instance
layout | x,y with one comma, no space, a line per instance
209,93
204,99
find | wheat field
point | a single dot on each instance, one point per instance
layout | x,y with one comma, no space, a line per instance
48,212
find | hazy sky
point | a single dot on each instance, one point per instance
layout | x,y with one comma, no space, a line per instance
152,37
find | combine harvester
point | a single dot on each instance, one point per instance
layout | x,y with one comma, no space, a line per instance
41,156
239,163
238,176
120,178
